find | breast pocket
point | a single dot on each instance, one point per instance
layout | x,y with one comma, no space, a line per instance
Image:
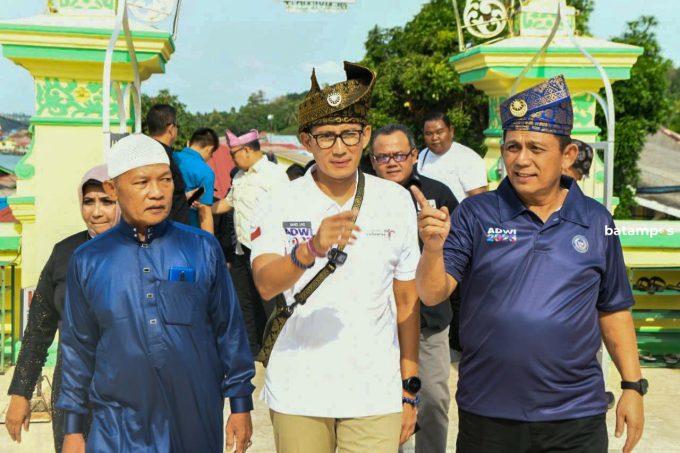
179,301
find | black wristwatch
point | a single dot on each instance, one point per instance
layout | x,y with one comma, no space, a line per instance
411,385
640,386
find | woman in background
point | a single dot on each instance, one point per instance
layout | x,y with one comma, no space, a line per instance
100,213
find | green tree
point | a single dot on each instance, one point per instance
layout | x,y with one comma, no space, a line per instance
414,75
641,106
253,115
583,10
673,121
186,120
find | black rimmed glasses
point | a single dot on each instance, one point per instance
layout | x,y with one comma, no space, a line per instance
385,158
326,140
234,152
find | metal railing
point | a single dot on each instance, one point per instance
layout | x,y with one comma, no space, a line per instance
122,94
13,337
125,90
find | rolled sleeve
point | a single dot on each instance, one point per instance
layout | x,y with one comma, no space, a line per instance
459,243
615,293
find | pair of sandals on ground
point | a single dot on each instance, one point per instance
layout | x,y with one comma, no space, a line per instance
654,285
669,359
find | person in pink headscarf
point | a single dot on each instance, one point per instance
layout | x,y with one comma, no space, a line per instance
100,213
256,178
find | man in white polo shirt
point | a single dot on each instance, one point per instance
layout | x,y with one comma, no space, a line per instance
456,165
256,178
343,370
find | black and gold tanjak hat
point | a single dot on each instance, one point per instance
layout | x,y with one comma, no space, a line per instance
344,102
545,107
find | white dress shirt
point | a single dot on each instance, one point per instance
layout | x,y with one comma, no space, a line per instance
246,189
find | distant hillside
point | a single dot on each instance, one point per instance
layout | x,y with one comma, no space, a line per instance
10,125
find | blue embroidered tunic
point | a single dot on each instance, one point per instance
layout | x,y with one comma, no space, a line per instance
154,358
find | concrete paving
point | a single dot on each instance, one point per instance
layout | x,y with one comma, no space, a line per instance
662,430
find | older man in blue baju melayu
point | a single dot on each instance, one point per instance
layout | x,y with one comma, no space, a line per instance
153,339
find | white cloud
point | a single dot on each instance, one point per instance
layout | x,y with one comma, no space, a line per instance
329,71
251,63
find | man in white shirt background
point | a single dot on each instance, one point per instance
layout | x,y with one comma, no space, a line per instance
445,160
256,179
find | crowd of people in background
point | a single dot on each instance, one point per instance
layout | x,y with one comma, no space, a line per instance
353,286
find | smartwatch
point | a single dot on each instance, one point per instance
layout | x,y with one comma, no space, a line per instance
411,385
640,386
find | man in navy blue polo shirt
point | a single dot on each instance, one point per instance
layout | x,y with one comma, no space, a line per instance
541,285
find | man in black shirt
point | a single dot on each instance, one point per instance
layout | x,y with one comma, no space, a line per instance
393,157
161,122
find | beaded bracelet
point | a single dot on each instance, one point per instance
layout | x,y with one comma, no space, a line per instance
296,261
313,250
413,402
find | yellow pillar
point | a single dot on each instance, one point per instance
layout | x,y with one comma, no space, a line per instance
64,50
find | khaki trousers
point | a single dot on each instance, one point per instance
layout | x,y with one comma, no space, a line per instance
300,434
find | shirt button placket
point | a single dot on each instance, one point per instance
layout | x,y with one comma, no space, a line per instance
150,305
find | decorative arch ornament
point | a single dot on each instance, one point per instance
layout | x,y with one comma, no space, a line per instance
152,10
485,19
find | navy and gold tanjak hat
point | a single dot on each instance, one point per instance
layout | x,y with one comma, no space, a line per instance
344,102
545,107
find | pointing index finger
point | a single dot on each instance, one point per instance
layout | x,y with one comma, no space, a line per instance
420,198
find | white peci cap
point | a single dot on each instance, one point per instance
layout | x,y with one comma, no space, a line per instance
134,151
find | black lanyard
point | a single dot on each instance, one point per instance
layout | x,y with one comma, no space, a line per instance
424,158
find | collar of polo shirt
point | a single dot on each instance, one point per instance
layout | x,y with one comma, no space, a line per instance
309,177
574,208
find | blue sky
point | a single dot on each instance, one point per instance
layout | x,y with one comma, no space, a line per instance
227,49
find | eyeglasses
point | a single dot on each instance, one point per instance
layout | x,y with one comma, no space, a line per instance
233,152
385,158
326,140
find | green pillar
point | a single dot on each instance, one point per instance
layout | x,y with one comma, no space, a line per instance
493,67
